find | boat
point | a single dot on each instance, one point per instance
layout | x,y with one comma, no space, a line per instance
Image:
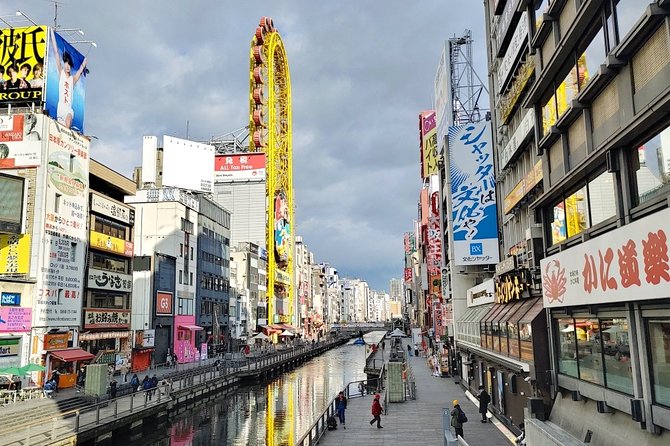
359,341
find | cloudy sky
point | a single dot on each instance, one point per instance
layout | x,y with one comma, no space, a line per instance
361,71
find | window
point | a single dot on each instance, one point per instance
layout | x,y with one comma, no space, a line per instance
650,163
57,203
73,252
191,252
181,250
589,62
190,278
601,198
627,13
180,276
110,228
558,226
71,167
526,340
659,346
567,347
549,114
587,332
107,262
616,350
576,212
567,91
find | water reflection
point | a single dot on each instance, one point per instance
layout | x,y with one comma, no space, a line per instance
273,414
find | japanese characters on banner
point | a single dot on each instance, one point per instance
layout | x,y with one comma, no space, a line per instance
107,318
59,298
21,140
14,254
473,195
428,143
22,52
239,167
627,264
109,280
408,274
434,246
15,319
105,206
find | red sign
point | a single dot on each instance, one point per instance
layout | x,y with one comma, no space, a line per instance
163,303
408,274
240,167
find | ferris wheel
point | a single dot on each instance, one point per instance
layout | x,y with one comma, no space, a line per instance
270,129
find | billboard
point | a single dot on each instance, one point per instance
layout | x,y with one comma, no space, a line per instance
65,90
61,283
188,164
11,204
428,143
239,167
14,254
21,140
22,52
473,195
164,302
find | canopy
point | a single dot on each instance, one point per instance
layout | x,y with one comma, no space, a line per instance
190,327
286,333
11,371
32,368
72,354
261,336
397,333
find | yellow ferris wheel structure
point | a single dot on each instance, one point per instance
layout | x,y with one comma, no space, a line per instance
270,130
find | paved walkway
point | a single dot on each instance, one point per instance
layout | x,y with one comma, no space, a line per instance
416,421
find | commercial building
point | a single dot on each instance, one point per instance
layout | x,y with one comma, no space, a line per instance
601,102
331,307
248,278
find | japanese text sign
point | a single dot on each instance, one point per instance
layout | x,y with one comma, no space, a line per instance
22,52
428,143
629,263
112,209
239,167
15,319
473,194
14,254
109,280
107,319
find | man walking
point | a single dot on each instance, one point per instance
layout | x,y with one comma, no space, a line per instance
377,412
341,406
484,400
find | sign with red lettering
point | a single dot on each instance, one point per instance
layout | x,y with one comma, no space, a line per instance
629,263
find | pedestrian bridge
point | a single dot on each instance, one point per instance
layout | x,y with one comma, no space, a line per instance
365,327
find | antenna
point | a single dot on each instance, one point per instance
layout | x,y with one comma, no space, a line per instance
56,3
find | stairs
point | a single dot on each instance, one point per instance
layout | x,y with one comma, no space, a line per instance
17,416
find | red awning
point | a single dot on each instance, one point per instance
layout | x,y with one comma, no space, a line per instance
191,327
72,354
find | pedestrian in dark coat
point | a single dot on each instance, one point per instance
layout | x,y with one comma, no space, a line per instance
341,406
455,419
377,412
112,388
135,383
484,400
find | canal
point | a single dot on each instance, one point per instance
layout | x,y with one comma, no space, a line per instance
274,413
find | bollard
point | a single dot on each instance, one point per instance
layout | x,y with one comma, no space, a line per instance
132,398
116,407
97,414
76,421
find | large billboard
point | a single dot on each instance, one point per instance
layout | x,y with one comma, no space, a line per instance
21,140
473,194
59,296
65,83
22,52
428,143
188,164
11,204
239,167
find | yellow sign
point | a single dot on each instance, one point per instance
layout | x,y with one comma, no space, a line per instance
523,187
14,254
428,143
108,243
282,277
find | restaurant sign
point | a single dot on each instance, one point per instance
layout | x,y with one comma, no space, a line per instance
112,209
106,318
108,243
109,280
627,264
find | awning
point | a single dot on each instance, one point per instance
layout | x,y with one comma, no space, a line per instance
191,327
510,308
72,354
521,312
537,309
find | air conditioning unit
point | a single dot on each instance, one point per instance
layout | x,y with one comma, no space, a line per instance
534,231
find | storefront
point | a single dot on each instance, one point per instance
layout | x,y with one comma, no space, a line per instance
184,341
67,362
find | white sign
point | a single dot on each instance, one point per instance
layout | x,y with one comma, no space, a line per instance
525,127
109,280
239,167
61,275
21,140
627,264
110,208
482,294
507,63
442,95
164,194
188,164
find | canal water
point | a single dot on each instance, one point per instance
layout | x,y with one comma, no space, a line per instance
276,413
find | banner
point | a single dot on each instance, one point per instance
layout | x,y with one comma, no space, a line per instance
428,143
109,280
22,52
14,254
108,243
15,319
65,83
21,140
473,194
106,318
239,167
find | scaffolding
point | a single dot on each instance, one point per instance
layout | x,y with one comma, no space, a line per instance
466,86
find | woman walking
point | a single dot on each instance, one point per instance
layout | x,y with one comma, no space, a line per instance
341,406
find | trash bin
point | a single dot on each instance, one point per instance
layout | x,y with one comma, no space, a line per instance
450,438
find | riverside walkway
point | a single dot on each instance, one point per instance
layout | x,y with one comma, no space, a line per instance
416,421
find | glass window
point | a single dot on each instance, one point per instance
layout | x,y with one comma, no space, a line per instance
558,225
576,212
591,59
651,164
618,370
567,347
627,13
104,261
589,350
548,114
659,346
513,330
526,340
567,91
602,198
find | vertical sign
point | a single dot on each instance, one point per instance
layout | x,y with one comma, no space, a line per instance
428,143
62,272
434,246
473,194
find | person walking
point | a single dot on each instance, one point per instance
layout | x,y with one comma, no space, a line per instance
135,383
377,412
409,350
112,388
484,400
341,406
457,419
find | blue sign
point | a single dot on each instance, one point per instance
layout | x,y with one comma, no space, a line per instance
473,195
13,299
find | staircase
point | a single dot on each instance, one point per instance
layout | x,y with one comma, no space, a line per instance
24,413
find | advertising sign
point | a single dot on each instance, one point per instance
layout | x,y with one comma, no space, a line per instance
408,274
527,183
108,243
162,195
61,275
21,140
109,280
22,52
14,254
10,299
106,318
473,195
443,94
10,347
112,209
145,338
428,143
56,341
239,167
511,55
627,264
15,319
164,303
282,229
188,164
66,83
11,204
524,129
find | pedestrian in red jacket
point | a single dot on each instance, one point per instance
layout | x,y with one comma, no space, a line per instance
376,412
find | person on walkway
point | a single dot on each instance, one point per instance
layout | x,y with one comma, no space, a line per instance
341,406
81,378
135,383
112,388
125,370
146,386
409,350
484,400
153,385
457,419
376,412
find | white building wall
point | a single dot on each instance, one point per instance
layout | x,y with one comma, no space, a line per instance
247,203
